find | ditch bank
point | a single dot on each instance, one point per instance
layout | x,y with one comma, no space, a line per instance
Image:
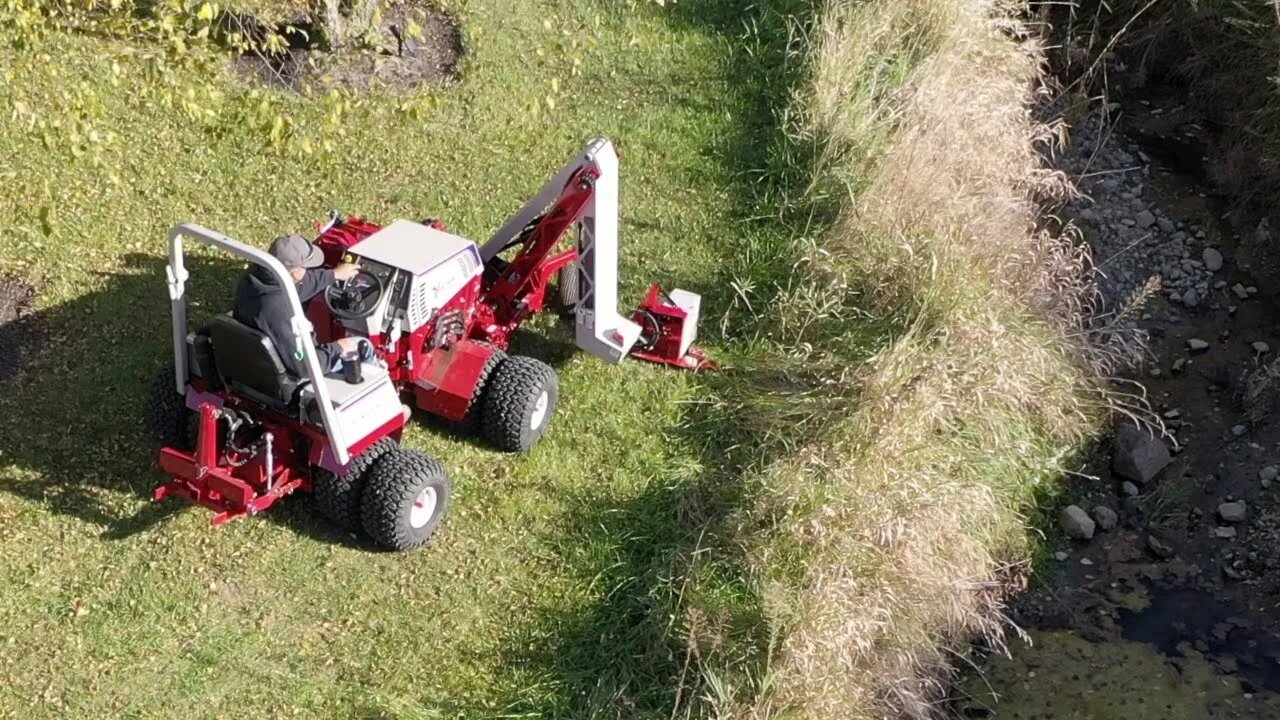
1159,597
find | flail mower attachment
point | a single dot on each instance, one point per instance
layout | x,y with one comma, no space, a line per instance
668,326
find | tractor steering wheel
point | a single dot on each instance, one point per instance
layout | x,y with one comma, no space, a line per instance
355,299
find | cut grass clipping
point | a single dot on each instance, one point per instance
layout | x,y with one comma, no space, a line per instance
849,185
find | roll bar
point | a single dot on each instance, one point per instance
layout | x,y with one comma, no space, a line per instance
177,277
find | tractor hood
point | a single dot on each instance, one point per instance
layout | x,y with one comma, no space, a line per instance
415,248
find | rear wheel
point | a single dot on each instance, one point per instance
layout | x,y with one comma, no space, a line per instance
168,419
338,496
405,497
519,403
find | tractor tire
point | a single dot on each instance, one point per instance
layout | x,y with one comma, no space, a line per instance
168,419
406,495
470,423
519,403
337,497
567,285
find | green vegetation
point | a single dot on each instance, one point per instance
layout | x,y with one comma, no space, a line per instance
849,187
545,592
891,535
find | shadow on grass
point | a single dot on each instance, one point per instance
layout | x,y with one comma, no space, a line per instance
671,595
73,438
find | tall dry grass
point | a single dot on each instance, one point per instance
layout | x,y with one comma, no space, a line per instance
893,537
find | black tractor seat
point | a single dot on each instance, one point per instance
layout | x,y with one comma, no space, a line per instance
247,363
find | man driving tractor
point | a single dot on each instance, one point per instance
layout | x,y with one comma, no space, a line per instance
261,304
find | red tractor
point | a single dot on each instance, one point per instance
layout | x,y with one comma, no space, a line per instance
242,432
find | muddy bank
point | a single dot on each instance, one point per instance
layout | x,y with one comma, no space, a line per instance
1163,596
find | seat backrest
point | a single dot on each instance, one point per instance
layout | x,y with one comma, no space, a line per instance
201,361
248,362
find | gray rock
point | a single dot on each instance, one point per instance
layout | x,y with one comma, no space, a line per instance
1166,225
1076,523
1239,430
1105,517
1138,455
1269,473
1179,365
1159,548
1233,512
1197,345
1145,219
1240,291
1060,556
1225,533
1129,489
1191,298
1212,259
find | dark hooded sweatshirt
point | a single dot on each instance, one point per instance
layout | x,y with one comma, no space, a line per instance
261,304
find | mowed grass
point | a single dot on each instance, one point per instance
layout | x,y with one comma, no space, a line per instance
544,593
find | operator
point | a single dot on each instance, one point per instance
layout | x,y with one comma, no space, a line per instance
261,304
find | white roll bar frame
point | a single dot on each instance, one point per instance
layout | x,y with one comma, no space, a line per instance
177,276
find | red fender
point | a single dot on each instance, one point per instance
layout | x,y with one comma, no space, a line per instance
446,382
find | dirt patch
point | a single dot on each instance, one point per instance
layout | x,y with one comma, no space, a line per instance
416,44
18,334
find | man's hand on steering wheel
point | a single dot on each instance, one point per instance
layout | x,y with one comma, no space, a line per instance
356,293
345,271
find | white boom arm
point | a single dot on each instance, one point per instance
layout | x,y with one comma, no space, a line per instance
303,342
599,329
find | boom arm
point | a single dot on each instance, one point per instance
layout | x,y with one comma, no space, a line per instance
585,191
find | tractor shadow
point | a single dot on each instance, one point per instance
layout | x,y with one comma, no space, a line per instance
74,438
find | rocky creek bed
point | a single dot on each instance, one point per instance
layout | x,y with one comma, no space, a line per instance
1163,598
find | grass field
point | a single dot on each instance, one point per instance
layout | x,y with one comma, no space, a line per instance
547,593
850,184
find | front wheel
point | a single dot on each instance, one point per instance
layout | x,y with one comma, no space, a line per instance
519,403
406,495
